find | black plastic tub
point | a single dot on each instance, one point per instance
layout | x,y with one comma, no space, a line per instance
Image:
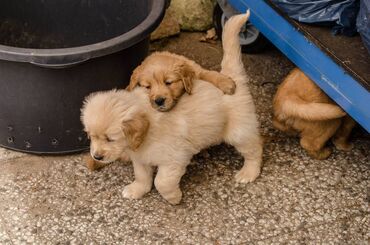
55,52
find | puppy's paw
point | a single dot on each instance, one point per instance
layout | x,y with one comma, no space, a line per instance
135,190
227,86
247,174
321,154
173,197
343,145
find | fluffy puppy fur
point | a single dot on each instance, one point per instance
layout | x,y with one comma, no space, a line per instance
122,122
168,76
302,108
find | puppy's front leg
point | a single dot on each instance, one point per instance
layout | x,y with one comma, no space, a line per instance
225,83
142,184
167,182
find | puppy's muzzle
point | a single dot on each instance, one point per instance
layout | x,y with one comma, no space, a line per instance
159,101
98,157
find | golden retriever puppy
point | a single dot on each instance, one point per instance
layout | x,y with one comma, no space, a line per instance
302,108
168,76
120,122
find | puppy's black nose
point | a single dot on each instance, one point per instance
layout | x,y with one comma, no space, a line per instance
159,101
97,157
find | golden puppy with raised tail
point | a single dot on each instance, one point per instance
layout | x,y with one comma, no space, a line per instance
121,122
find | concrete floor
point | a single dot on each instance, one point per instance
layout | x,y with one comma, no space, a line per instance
57,200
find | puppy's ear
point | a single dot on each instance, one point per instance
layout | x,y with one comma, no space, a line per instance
134,80
187,75
135,130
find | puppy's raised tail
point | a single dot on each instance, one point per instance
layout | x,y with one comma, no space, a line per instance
232,64
312,111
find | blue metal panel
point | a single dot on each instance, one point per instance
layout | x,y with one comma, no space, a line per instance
327,74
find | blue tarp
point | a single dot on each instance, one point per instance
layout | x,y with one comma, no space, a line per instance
363,23
341,14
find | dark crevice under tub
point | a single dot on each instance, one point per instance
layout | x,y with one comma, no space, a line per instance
54,53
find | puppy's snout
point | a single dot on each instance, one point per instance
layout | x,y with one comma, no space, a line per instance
160,101
98,157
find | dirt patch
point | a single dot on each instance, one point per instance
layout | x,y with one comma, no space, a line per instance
27,164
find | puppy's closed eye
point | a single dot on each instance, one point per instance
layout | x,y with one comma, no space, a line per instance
147,86
168,82
108,139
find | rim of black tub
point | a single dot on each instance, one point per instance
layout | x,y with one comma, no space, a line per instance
64,57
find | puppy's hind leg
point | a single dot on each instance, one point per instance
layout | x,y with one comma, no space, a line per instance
249,144
242,132
252,153
340,139
316,134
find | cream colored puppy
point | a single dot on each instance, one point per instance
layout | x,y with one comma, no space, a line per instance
124,122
